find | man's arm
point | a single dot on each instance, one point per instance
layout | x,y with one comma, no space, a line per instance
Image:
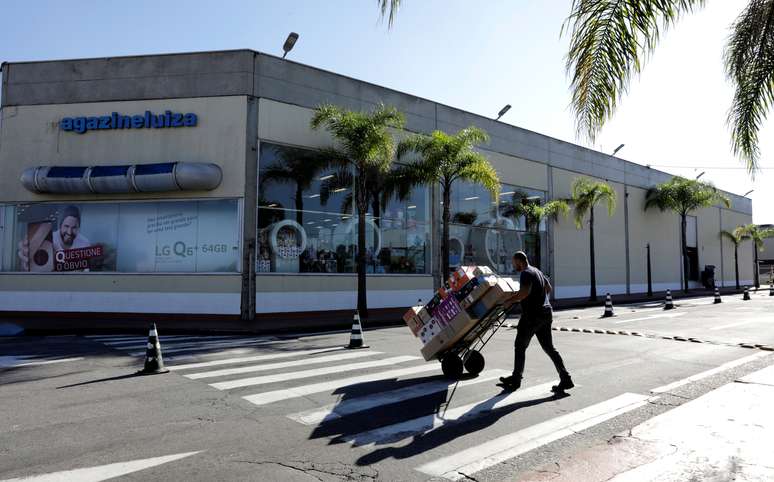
523,292
548,287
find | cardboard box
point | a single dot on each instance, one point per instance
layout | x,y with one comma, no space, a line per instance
465,274
483,285
448,309
430,330
440,342
498,293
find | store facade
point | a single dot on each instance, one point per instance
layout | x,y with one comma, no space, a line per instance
193,184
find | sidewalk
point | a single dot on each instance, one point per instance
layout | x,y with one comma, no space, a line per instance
726,434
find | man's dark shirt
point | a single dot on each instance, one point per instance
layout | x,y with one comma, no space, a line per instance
536,303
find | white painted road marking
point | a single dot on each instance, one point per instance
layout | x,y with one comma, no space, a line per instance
301,391
103,472
480,457
367,402
209,346
740,323
283,377
423,424
651,317
255,358
13,361
274,366
709,373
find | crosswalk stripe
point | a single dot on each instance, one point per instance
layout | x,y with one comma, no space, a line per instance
425,423
708,373
466,462
275,366
209,346
266,398
15,361
255,358
104,338
283,377
120,343
200,342
367,402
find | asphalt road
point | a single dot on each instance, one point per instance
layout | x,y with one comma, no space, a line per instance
302,408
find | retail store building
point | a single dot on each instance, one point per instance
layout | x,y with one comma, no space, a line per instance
189,184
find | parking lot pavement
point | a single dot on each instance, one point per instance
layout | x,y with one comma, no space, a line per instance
287,408
732,322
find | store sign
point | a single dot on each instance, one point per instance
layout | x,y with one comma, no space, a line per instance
116,120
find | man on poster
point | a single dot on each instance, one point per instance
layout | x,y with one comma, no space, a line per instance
67,237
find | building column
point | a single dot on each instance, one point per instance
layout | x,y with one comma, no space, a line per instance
250,209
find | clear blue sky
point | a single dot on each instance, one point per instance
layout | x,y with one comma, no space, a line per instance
475,56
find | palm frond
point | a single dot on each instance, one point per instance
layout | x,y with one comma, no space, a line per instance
554,209
731,237
477,169
749,60
609,40
389,5
586,194
683,195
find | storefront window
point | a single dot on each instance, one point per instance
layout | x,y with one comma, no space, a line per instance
307,221
487,232
127,237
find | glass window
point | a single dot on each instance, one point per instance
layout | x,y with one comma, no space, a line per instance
489,234
143,237
307,222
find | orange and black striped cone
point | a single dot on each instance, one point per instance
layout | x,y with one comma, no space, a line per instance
771,289
356,339
154,363
717,296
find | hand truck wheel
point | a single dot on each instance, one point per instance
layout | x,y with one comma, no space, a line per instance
474,363
451,366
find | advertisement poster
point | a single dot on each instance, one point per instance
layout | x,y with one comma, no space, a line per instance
160,237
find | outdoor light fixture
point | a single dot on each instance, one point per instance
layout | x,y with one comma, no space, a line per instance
503,111
748,192
289,43
617,149
702,173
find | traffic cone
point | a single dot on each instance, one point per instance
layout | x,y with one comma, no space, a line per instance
746,296
154,363
608,307
717,296
356,338
668,305
771,289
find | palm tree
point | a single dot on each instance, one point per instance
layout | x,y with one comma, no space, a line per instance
737,236
757,234
445,158
586,194
365,143
534,214
684,196
299,167
610,40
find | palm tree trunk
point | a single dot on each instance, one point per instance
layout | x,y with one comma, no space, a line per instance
445,234
299,205
593,293
736,264
362,208
683,231
757,275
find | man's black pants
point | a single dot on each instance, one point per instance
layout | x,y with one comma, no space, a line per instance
540,327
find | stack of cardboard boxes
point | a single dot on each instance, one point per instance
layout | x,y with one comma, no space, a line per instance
470,294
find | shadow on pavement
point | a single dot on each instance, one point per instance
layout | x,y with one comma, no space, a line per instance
100,380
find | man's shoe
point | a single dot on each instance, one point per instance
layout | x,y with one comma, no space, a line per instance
564,384
510,383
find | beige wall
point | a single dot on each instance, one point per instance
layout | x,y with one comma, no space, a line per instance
571,245
30,136
662,231
731,220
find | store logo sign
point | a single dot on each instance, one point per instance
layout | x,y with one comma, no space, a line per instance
116,120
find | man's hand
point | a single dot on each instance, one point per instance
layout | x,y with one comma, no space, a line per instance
24,254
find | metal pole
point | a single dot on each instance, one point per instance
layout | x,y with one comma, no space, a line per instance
650,279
